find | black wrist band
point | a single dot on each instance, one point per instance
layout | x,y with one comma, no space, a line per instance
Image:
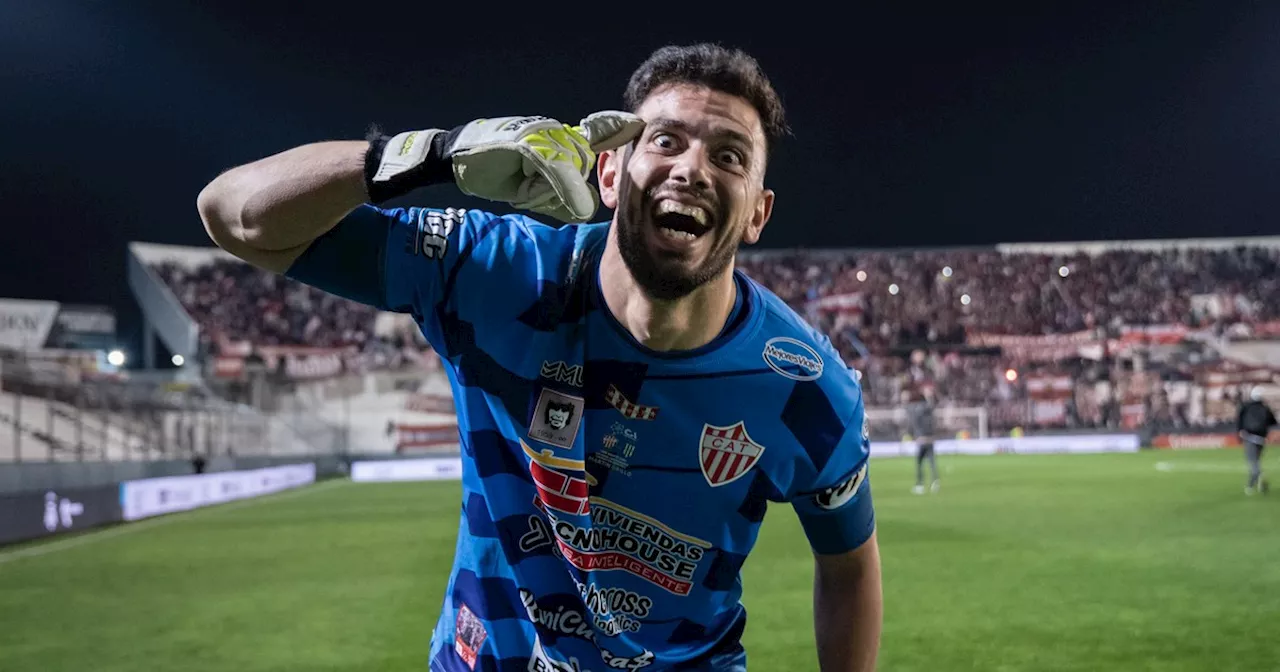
435,169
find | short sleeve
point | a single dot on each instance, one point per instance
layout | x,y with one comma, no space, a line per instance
836,511
410,260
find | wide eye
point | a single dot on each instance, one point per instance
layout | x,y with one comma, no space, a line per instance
730,157
664,140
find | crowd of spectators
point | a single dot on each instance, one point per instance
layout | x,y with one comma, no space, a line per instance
880,307
927,297
233,301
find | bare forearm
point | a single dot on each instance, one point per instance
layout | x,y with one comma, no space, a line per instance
267,212
848,612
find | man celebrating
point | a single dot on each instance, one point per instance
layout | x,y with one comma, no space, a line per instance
628,402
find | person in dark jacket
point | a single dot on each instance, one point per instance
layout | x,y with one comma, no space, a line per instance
1253,423
922,426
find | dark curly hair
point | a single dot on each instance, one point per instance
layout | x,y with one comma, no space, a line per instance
730,71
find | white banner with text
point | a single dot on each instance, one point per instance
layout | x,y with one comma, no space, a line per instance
421,469
1022,445
158,496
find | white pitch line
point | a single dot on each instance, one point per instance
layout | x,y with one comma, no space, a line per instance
125,528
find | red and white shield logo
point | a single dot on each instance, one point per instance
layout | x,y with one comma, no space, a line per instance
727,453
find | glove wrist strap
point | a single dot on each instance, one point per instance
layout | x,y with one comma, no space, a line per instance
395,165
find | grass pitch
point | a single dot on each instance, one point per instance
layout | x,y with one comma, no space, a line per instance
1155,561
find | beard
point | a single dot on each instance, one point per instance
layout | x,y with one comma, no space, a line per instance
662,274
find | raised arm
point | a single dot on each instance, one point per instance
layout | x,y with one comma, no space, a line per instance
269,211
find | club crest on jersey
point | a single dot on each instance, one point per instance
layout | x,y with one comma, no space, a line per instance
727,453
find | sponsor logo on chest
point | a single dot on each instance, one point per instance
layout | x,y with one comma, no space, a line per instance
561,483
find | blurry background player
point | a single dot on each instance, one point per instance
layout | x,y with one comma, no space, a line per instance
1254,422
920,423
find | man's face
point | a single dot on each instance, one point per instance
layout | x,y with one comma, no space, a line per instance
689,191
558,416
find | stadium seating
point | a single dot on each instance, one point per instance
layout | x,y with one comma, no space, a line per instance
1004,327
1099,335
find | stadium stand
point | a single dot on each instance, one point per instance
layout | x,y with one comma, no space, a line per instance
1134,334
240,309
1150,336
366,379
1089,335
57,409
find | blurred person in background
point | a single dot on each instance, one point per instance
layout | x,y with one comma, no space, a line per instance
1253,423
920,422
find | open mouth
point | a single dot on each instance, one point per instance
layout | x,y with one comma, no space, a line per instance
680,221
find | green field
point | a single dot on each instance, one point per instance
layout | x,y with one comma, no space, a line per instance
1099,562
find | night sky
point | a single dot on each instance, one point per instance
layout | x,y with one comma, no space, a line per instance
912,126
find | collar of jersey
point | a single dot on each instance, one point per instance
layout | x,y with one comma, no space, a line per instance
741,331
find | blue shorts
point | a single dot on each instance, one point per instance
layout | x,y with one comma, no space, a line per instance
729,661
732,660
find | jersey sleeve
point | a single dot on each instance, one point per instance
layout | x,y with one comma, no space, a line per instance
411,260
835,509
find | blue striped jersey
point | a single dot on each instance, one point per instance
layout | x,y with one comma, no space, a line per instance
610,493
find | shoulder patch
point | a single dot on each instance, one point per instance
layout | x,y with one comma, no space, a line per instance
431,235
793,358
837,496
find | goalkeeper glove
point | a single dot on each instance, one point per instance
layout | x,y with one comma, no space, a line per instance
533,163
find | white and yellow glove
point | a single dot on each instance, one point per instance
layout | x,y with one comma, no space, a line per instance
532,163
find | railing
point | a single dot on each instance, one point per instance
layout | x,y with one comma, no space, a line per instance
63,413
890,423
